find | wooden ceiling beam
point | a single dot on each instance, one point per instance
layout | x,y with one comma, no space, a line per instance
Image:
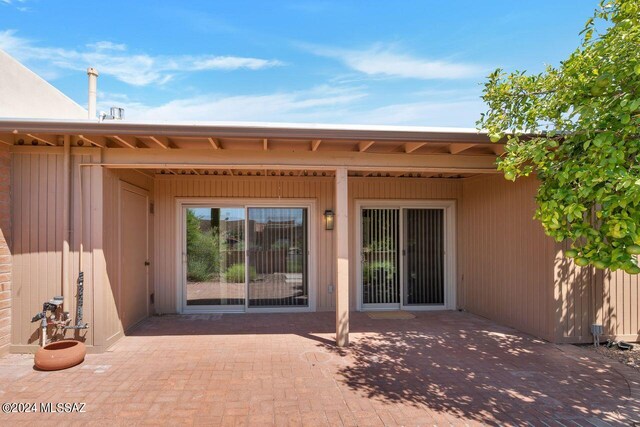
459,148
410,147
7,138
53,141
127,141
214,143
98,141
142,172
265,144
364,145
162,141
315,144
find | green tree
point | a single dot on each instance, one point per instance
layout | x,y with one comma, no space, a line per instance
577,127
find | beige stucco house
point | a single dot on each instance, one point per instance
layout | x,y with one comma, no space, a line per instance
263,217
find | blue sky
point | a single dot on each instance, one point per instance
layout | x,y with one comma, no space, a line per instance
363,62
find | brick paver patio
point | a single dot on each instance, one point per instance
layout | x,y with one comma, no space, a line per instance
277,369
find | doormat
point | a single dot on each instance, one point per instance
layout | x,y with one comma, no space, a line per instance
392,315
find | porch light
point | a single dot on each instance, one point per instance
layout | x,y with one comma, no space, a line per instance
328,219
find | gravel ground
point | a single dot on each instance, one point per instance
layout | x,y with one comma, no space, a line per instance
628,357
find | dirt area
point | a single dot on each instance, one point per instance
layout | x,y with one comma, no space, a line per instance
630,358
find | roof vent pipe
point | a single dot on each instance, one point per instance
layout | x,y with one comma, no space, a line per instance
115,113
93,83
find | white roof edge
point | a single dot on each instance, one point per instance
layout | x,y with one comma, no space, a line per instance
269,130
242,124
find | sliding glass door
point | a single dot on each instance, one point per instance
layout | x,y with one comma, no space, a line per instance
402,258
278,257
244,258
215,244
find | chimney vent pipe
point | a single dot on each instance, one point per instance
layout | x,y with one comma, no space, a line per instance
93,83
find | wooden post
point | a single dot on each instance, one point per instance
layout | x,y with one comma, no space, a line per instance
66,207
341,238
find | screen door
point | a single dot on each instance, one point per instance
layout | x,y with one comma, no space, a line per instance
402,258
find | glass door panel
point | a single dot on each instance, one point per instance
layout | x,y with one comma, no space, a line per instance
380,257
424,257
278,261
215,245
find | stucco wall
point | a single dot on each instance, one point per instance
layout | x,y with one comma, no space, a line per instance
24,94
5,249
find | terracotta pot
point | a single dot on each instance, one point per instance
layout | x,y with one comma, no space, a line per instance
60,355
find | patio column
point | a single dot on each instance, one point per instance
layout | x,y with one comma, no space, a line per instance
341,238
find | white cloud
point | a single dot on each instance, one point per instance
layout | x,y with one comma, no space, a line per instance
308,105
457,113
232,63
380,60
15,3
107,45
114,59
321,104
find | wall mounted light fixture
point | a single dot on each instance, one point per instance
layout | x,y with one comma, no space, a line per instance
329,217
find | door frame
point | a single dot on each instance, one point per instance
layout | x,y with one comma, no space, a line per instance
125,186
182,203
450,283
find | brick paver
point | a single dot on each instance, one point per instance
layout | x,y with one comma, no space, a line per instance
440,368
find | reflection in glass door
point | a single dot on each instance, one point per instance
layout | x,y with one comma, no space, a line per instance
278,257
215,258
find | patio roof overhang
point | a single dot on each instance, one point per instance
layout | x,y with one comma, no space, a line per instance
260,149
276,148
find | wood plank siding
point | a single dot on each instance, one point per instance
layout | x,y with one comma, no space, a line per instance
507,269
38,234
506,261
585,295
5,251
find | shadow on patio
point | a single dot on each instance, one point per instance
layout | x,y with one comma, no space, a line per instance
483,375
447,364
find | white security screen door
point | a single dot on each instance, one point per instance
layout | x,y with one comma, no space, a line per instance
423,257
403,263
380,258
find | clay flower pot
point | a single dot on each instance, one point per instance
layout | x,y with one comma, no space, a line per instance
60,355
